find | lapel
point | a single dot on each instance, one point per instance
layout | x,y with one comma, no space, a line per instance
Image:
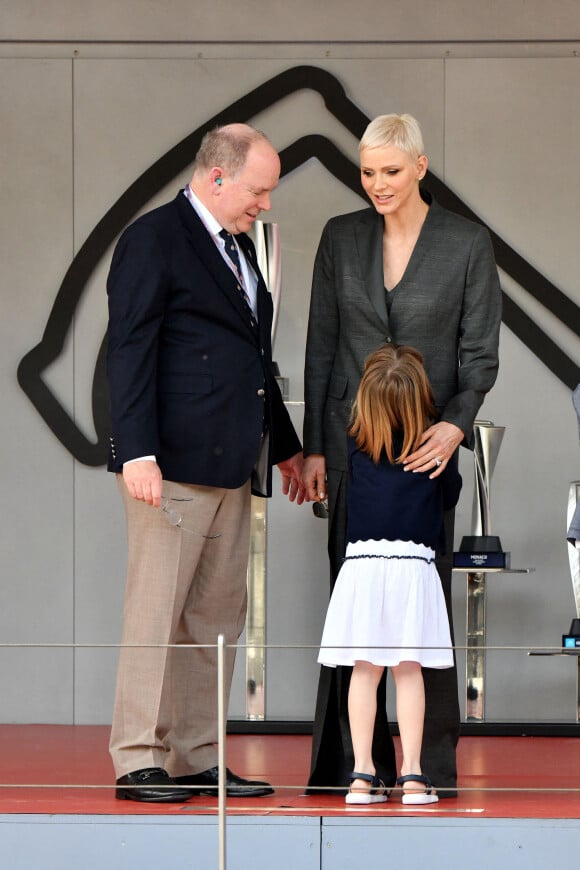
207,251
427,243
368,232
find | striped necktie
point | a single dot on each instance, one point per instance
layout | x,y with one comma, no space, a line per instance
232,252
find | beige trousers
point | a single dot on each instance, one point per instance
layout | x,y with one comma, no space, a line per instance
182,588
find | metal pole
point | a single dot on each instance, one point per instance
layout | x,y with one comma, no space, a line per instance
475,656
221,754
256,615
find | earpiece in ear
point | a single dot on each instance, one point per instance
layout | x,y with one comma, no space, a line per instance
218,180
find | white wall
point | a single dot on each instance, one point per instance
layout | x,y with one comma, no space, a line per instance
81,120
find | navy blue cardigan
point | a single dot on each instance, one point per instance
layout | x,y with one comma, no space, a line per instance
386,502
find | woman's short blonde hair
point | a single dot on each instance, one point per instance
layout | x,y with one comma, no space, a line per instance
394,395
402,131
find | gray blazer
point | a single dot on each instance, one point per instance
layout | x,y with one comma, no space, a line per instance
447,305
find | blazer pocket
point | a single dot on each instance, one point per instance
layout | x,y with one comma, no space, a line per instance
186,383
338,386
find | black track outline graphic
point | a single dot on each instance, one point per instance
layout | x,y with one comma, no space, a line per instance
167,167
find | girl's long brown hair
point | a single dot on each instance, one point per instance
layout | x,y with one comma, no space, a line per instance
394,395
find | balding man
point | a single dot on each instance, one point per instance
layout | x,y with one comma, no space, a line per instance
197,424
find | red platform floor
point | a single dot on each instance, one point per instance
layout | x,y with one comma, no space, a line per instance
61,769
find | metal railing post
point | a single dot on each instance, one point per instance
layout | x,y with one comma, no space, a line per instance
221,754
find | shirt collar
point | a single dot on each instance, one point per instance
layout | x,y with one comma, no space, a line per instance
211,223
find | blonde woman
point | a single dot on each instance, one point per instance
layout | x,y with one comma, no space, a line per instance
405,271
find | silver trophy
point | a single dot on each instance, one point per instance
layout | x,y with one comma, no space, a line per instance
572,639
266,238
482,549
268,252
479,552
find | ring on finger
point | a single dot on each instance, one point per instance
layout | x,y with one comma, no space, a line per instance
438,461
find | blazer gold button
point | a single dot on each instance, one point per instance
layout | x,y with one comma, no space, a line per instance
261,392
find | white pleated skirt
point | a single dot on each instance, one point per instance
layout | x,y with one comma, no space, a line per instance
387,606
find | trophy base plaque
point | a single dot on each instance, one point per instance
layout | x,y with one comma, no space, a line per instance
481,551
572,639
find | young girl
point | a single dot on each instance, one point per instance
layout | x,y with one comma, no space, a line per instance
387,608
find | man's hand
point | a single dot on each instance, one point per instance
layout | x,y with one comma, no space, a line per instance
314,477
291,471
144,481
438,445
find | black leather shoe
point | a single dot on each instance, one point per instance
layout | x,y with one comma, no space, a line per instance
206,782
151,784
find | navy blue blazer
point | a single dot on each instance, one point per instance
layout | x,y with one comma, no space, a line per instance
190,378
